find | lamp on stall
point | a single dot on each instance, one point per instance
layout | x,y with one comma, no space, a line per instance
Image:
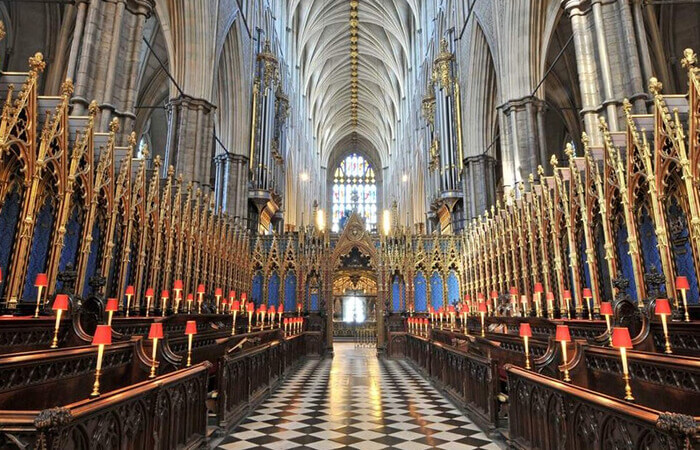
224,304
190,331
200,298
177,287
465,312
451,312
235,306
244,300
164,294
250,307
129,293
662,309
550,304
155,333
190,301
285,322
523,301
538,298
425,325
441,312
111,307
588,295
231,298
299,309
683,286
607,312
218,293
494,298
149,298
526,334
564,337
621,339
514,298
280,310
483,309
60,304
566,300
262,310
102,337
41,282
272,311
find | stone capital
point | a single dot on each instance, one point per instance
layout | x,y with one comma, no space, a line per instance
192,103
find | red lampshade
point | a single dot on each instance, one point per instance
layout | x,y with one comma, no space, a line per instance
60,303
606,309
156,331
200,289
112,305
41,280
482,307
567,295
513,290
164,294
450,309
525,330
682,283
224,301
272,310
494,294
621,338
263,307
280,309
550,295
0,275
235,305
538,288
177,285
467,298
523,299
299,305
218,292
441,310
244,297
149,292
232,295
103,335
662,307
191,327
250,306
129,290
480,296
190,297
285,321
563,334
587,293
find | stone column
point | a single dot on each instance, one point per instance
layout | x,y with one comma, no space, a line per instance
190,138
479,185
232,184
587,68
526,144
104,57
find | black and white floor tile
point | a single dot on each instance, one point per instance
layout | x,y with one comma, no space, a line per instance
357,401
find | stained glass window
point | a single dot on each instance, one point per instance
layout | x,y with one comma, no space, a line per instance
354,187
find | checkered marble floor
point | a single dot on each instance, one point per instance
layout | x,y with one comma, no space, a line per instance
357,401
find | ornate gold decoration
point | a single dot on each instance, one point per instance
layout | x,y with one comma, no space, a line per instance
441,74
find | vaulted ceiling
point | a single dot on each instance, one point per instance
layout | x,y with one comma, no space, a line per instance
322,31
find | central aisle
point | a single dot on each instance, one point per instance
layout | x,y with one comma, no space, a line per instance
357,401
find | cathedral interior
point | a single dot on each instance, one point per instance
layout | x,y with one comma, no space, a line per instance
413,224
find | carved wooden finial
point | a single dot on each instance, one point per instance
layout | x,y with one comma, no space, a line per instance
689,60
585,140
569,150
114,125
37,63
156,162
67,87
540,170
93,109
554,161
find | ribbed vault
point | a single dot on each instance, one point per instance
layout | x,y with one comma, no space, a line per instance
321,31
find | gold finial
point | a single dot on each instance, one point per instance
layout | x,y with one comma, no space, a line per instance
37,63
67,87
585,141
626,106
145,152
655,86
498,204
531,179
132,139
569,150
554,161
93,108
156,162
688,62
2,30
521,187
540,170
114,125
